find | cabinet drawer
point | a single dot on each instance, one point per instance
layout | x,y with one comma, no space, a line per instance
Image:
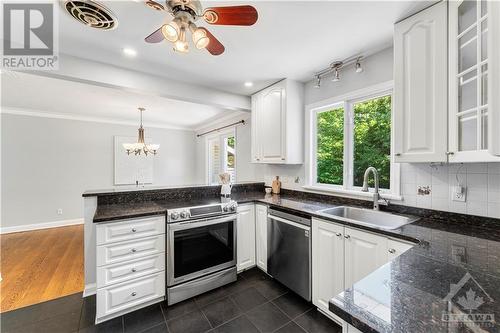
123,251
122,296
129,229
111,274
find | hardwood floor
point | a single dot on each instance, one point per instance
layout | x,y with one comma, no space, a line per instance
40,265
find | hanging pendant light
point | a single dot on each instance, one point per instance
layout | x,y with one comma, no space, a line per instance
140,145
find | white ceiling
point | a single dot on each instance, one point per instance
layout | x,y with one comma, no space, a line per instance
40,94
291,39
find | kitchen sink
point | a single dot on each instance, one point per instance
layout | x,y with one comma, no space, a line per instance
369,217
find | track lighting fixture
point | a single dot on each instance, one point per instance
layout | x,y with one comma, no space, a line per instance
336,67
358,67
318,82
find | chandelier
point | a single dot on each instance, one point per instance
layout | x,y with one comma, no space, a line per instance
140,145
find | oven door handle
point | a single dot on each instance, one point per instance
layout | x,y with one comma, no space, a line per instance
200,223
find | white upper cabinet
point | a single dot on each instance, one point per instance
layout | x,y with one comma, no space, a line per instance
277,124
470,72
493,39
420,86
446,83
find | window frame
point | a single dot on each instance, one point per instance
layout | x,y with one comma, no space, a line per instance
347,101
221,135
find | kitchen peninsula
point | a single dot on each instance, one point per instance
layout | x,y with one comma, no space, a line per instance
449,250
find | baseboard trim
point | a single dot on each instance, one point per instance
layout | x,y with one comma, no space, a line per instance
90,289
37,226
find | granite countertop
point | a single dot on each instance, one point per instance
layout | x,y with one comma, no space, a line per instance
454,268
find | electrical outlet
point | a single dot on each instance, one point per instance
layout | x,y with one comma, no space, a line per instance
59,211
458,193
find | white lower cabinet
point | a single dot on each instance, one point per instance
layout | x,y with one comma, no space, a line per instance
261,236
245,237
128,295
327,262
396,248
341,256
130,272
364,253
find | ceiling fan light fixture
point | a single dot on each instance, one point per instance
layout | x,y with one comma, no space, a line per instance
181,45
200,38
171,31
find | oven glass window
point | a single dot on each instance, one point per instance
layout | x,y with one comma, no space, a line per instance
203,247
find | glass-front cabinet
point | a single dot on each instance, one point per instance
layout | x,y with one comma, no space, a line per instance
471,131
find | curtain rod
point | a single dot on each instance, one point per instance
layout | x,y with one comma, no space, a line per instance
220,128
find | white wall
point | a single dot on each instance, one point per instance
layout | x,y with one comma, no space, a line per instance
482,179
48,163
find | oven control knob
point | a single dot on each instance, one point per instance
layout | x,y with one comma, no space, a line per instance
226,209
184,214
174,216
232,208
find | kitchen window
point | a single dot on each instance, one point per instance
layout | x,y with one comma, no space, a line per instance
221,152
349,135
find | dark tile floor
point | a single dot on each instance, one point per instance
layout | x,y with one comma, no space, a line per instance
255,303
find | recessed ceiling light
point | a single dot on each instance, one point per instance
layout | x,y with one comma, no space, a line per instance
248,84
129,52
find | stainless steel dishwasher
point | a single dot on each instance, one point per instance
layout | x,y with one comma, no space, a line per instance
289,251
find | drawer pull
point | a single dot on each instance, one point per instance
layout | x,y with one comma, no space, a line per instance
347,236
134,229
134,270
134,293
133,250
338,234
392,251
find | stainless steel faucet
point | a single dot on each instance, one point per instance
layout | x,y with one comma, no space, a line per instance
376,195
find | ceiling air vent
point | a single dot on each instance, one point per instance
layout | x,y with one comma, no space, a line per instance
91,14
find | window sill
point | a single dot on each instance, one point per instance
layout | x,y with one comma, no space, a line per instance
351,193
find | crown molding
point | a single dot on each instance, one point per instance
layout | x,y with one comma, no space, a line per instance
45,114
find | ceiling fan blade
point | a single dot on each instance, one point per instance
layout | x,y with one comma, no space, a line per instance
231,15
154,5
214,46
155,37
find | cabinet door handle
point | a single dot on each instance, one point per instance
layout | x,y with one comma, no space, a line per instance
449,153
398,154
134,270
392,251
133,250
338,234
347,236
134,229
134,293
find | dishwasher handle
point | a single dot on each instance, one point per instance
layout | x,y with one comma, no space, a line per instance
295,224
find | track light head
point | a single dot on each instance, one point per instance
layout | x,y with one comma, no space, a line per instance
336,75
358,67
318,82
336,70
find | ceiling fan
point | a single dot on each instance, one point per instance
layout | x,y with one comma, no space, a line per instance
187,12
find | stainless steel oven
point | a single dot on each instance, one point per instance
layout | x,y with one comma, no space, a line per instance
201,253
